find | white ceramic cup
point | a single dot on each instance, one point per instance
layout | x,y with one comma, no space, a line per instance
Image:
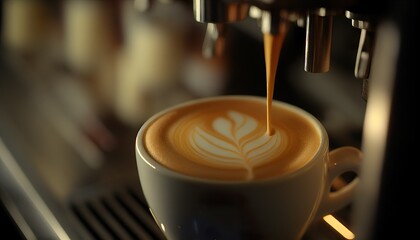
190,208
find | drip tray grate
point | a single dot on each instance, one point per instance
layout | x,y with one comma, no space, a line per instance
121,214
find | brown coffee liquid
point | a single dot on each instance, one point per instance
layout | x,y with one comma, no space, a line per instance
273,44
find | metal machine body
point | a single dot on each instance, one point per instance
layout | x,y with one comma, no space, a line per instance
58,181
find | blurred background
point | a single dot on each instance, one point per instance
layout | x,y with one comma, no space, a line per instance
79,77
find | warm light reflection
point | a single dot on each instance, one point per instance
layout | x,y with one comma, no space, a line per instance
339,227
376,126
254,12
162,226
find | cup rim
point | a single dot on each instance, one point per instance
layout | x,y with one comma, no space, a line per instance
143,155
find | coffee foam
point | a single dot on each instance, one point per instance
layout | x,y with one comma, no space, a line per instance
226,139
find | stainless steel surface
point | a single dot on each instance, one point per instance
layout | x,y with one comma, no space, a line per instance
211,11
318,42
214,13
364,54
214,40
319,22
367,25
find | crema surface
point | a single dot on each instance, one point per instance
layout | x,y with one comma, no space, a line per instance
226,139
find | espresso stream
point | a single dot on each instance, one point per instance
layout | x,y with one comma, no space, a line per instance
273,44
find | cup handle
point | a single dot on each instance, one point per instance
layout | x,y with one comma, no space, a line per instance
341,160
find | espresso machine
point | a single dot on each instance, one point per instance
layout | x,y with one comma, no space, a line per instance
347,62
382,65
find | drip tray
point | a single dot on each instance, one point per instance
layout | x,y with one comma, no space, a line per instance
120,214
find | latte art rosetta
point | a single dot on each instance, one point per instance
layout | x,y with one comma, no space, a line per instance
244,146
